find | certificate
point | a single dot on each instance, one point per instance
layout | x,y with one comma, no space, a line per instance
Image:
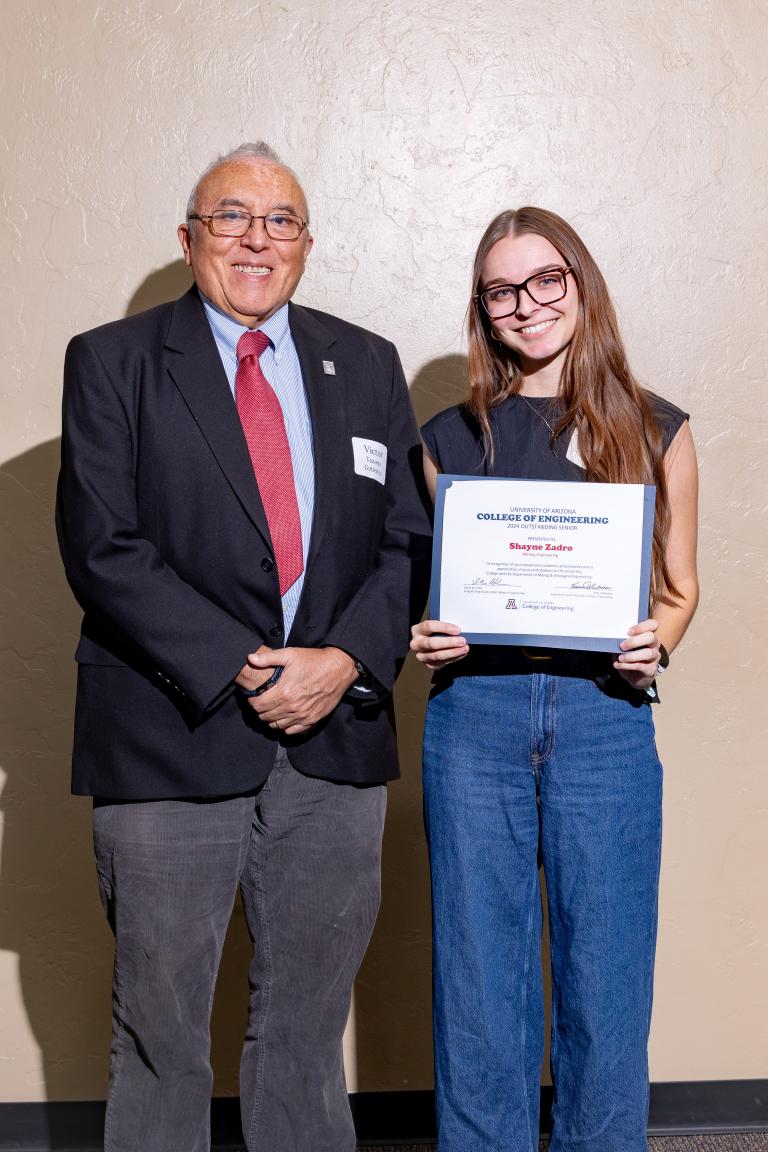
535,562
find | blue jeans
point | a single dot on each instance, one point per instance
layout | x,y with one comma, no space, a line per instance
520,769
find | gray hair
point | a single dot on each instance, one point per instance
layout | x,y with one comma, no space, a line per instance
258,150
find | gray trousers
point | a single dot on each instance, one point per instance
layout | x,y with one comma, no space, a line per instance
306,854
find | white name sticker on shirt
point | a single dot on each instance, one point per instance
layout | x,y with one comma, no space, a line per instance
370,458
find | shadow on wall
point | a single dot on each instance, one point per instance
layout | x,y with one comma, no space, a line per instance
49,906
49,912
393,993
167,283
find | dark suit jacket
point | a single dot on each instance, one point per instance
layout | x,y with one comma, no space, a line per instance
166,546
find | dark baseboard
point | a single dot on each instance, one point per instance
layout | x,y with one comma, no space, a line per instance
691,1107
677,1109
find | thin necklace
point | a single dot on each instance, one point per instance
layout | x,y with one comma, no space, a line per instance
536,412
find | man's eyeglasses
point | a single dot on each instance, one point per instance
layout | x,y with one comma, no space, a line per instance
229,222
543,288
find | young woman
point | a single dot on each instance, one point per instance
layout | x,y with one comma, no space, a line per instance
536,755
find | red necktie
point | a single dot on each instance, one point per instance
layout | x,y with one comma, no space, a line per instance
262,419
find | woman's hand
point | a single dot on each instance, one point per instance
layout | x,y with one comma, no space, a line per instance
437,643
640,655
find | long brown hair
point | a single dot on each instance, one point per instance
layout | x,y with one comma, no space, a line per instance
620,439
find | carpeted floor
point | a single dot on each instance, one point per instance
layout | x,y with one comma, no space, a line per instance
740,1142
736,1142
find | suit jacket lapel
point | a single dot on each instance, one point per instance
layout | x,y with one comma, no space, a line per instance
195,366
327,408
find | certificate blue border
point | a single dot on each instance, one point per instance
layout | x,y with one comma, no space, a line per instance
531,640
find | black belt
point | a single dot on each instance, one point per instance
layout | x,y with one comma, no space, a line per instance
509,660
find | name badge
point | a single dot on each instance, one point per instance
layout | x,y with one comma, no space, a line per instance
370,458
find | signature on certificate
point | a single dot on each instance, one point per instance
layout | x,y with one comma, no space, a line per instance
490,582
591,585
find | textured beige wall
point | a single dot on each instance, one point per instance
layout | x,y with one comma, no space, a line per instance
412,124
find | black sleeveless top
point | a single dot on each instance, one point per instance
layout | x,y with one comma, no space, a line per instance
522,437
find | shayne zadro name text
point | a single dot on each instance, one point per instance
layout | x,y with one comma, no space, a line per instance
541,547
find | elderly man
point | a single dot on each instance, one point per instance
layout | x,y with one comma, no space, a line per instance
240,519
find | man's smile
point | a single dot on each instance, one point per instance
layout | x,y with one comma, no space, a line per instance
252,269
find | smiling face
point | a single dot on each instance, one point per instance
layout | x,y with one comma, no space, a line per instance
538,334
249,277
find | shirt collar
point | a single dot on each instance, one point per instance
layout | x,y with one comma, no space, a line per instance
228,331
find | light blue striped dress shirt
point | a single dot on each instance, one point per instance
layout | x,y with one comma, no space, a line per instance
280,364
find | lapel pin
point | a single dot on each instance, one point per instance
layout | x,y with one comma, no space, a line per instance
329,367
